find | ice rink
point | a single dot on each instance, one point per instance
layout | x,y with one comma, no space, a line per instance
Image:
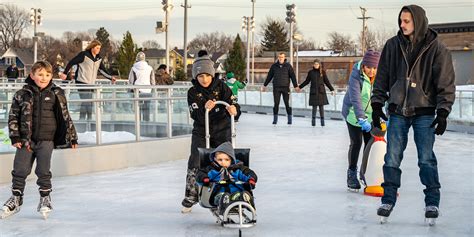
301,191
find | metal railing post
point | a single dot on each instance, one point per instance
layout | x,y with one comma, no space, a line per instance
136,107
170,111
98,117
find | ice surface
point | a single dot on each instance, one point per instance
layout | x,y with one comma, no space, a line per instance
301,191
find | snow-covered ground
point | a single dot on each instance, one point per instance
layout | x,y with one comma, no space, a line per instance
301,192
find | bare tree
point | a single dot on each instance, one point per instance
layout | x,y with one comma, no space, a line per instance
212,42
341,43
13,21
375,39
151,44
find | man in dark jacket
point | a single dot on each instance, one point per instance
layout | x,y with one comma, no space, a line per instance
12,72
416,78
281,72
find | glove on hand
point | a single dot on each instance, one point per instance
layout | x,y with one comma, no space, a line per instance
377,114
205,181
365,125
252,183
440,120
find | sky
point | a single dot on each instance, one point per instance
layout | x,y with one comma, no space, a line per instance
316,18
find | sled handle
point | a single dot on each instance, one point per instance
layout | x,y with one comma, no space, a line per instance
232,125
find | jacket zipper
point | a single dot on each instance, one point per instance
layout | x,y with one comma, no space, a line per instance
39,116
410,72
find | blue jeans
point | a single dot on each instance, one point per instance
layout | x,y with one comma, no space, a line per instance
397,138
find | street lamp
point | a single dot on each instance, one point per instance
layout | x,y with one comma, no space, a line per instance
167,7
253,42
298,38
291,18
248,24
35,20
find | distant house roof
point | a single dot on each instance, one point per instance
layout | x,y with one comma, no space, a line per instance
181,52
216,56
155,53
318,53
453,27
25,55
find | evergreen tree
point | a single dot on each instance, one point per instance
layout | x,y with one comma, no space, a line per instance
103,36
275,37
126,55
236,60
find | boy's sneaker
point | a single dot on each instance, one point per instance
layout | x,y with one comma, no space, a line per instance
352,182
384,212
431,213
224,203
12,206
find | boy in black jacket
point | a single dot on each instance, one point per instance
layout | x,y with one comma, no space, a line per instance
201,96
39,121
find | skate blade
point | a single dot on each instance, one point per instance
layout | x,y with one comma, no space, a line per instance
186,210
7,213
430,221
383,219
353,190
45,212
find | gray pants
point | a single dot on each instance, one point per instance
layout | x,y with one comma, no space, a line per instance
41,151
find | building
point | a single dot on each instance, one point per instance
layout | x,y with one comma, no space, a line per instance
459,38
22,57
156,57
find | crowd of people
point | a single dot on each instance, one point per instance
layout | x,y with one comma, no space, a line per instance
409,84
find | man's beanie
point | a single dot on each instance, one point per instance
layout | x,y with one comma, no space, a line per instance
371,58
230,75
140,56
203,64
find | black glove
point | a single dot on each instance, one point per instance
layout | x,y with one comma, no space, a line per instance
252,183
441,115
377,114
206,181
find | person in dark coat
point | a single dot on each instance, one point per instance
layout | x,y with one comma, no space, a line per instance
281,73
317,93
415,77
12,72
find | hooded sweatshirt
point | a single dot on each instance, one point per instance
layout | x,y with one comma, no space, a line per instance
142,74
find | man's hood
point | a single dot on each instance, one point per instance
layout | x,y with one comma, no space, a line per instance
420,22
140,65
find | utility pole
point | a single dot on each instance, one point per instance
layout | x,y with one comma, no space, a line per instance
167,7
291,19
253,42
35,20
364,28
185,47
248,25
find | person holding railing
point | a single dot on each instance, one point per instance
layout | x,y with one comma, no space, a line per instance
317,93
206,90
88,63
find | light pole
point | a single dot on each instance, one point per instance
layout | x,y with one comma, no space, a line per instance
253,42
297,38
248,24
185,46
167,7
35,20
291,18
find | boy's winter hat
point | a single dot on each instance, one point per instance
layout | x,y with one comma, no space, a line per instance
225,147
203,64
371,58
230,75
140,56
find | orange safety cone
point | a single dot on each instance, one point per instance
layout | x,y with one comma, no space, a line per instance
371,171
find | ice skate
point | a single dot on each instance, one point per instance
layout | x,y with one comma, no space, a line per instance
11,206
431,214
384,212
353,184
186,210
44,206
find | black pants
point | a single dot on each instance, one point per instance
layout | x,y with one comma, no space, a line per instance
85,111
277,93
191,190
23,162
145,107
356,134
321,111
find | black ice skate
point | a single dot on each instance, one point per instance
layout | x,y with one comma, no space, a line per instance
353,183
384,212
44,206
11,206
431,214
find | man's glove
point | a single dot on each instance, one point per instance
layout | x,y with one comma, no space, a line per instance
377,114
441,115
206,181
365,125
252,183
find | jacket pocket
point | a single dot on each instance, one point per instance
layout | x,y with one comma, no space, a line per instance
397,92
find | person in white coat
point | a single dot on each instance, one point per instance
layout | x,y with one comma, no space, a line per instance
142,74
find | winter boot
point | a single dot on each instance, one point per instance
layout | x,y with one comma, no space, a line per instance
352,181
12,205
384,212
322,122
275,119
313,121
224,202
290,119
